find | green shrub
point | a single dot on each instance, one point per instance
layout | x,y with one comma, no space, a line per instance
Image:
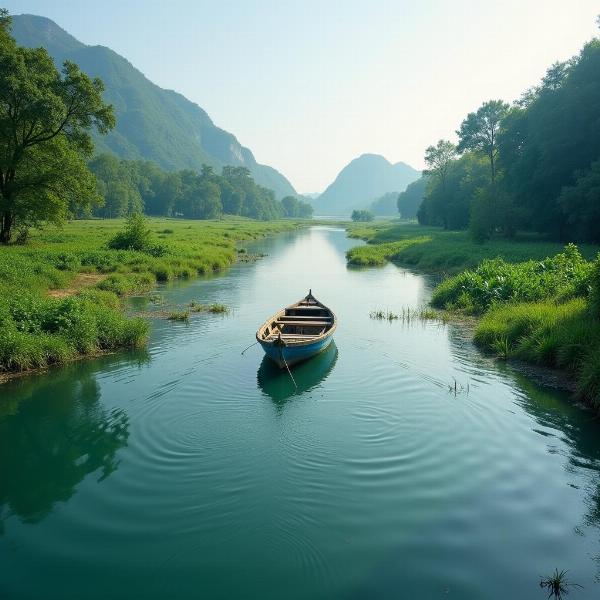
123,285
595,289
37,332
496,281
137,236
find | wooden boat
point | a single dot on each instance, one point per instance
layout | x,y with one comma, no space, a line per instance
298,332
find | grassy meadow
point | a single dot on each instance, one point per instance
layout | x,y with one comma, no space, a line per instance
61,293
536,301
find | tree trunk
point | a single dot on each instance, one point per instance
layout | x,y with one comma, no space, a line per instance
6,224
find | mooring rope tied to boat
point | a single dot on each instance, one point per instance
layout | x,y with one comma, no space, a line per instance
288,368
248,348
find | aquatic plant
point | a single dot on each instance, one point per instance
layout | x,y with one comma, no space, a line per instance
557,584
502,347
178,315
215,308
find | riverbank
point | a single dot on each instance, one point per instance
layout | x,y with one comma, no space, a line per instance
535,301
61,293
432,249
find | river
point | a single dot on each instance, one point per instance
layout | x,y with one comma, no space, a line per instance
193,471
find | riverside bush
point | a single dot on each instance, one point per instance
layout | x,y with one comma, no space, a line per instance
38,331
564,276
137,236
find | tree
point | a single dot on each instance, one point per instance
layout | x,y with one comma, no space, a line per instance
449,206
479,131
45,120
118,184
411,198
438,159
581,204
362,215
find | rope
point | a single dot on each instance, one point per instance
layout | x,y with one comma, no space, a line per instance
248,348
287,367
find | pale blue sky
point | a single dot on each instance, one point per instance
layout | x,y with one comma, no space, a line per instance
309,85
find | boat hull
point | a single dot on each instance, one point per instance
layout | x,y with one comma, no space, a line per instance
294,354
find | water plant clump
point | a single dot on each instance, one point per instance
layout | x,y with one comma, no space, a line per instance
214,308
383,315
407,314
178,315
557,584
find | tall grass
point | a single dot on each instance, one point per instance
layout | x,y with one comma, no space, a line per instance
38,331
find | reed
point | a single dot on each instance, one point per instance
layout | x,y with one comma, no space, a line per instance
557,584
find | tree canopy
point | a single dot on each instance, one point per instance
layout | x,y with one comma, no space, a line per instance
128,186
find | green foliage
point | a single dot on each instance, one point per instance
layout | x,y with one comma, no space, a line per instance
559,335
447,202
580,203
595,289
128,187
385,206
179,315
45,119
410,199
542,159
549,142
479,131
292,207
439,159
38,332
495,281
432,249
362,215
137,236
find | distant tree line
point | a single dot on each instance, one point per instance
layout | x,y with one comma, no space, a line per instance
362,216
127,187
531,166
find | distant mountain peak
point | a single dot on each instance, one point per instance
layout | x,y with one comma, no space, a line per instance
361,181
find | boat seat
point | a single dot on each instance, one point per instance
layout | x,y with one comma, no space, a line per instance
290,336
303,318
305,323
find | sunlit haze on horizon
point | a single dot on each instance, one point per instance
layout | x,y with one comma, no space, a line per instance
309,86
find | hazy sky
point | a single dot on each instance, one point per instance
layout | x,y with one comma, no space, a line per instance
309,85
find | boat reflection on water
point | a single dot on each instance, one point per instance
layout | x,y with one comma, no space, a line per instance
277,383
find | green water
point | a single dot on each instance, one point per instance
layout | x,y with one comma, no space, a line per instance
191,471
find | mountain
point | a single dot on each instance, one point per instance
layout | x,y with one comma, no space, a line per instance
360,182
152,123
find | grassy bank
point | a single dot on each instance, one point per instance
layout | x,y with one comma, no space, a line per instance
60,295
435,250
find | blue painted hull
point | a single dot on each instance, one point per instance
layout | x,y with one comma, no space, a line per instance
294,354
